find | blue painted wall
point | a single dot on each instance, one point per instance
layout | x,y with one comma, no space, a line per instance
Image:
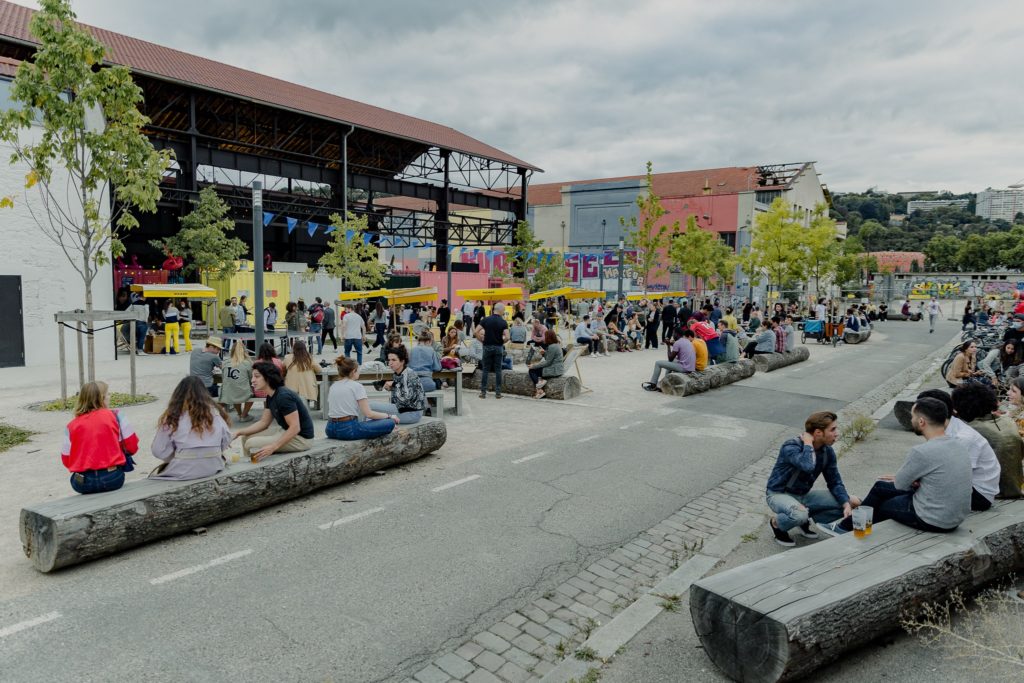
590,204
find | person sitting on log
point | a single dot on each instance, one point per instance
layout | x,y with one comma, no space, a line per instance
932,490
550,366
681,358
763,342
98,444
790,331
192,433
585,336
976,404
472,351
730,343
518,333
407,398
348,405
800,462
285,426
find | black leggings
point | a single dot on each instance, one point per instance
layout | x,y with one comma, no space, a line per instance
535,375
324,334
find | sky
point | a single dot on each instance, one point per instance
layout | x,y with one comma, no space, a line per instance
900,96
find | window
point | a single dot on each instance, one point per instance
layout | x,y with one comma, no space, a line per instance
766,196
729,238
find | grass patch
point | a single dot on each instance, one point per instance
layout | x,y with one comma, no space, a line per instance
669,603
749,538
13,436
585,654
116,400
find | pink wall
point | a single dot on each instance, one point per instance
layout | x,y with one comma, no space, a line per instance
459,281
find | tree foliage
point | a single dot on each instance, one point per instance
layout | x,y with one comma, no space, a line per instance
701,253
821,248
203,240
548,271
775,248
354,260
645,239
73,157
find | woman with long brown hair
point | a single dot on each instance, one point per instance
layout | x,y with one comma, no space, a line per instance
99,442
191,435
300,372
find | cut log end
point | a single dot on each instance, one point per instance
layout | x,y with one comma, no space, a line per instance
742,643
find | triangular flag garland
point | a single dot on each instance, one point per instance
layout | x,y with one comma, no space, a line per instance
311,227
330,229
267,217
292,222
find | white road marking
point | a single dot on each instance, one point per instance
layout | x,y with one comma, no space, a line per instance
22,625
588,438
530,457
632,424
666,411
457,482
351,518
199,567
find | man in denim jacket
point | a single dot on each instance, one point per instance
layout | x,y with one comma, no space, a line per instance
801,460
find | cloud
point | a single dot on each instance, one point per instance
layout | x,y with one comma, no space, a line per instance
897,95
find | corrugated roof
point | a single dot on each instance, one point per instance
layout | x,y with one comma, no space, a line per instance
168,64
729,180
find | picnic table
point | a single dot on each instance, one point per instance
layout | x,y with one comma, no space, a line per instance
329,374
280,335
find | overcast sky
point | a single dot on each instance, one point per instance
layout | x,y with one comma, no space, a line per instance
904,95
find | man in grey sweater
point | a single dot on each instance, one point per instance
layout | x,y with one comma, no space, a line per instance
932,490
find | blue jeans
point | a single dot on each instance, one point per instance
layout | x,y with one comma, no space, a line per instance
889,502
793,510
97,482
317,329
428,383
389,408
358,345
491,362
353,430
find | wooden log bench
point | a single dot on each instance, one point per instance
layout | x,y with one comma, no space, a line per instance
518,382
914,317
851,337
766,362
901,409
782,617
714,376
71,530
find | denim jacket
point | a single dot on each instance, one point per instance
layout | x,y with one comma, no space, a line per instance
798,466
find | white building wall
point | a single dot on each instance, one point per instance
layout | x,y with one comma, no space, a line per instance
48,281
551,224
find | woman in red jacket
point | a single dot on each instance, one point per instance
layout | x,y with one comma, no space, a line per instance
98,443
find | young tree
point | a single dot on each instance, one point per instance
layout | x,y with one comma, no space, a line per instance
701,253
645,239
525,244
550,272
203,240
352,259
821,248
941,252
853,262
776,242
74,157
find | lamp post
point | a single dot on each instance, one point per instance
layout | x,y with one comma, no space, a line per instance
600,263
621,267
257,258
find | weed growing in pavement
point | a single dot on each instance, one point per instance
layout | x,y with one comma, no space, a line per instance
13,436
695,547
749,538
585,654
561,648
669,602
592,676
588,626
860,427
548,595
675,560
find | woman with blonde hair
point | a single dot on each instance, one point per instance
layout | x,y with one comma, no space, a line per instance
192,433
236,382
300,372
98,443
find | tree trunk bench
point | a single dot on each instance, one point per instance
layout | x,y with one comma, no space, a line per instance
901,409
714,376
67,531
851,337
518,382
914,317
766,362
780,618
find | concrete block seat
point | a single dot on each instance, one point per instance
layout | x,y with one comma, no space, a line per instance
687,384
518,382
79,528
783,617
851,337
766,362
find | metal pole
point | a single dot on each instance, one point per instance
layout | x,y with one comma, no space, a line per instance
131,350
81,361
600,270
448,268
344,175
257,257
63,364
621,267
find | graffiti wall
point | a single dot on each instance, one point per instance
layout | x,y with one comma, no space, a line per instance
958,287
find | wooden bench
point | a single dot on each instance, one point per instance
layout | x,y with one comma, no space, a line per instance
435,400
68,531
687,384
780,618
851,337
766,362
518,382
914,317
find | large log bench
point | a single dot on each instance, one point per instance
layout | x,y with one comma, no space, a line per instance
67,531
766,362
687,384
780,618
899,316
518,382
851,337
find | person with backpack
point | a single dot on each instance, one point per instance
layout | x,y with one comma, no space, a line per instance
316,323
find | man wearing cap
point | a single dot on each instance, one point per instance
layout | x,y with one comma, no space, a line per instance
202,362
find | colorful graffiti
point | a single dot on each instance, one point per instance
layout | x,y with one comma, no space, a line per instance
958,288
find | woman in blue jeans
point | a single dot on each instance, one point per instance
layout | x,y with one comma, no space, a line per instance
350,417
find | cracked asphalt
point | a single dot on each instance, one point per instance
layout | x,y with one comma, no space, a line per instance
376,597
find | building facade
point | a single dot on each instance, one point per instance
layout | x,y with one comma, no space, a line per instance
926,205
1000,204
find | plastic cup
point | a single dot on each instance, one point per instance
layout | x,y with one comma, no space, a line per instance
862,521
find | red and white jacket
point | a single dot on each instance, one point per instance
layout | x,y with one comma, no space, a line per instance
98,440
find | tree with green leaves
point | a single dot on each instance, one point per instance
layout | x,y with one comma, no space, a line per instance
549,272
701,253
548,264
203,240
821,248
353,259
941,252
86,138
853,263
645,239
775,246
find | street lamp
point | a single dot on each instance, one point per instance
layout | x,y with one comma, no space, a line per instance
600,263
621,267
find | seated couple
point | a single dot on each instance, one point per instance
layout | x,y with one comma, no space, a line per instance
687,354
351,415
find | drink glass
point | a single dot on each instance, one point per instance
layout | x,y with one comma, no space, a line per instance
862,521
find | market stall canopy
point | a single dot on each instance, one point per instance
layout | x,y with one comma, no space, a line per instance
413,295
656,296
180,291
499,294
585,294
363,295
550,293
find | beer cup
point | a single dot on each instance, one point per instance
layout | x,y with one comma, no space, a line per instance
862,521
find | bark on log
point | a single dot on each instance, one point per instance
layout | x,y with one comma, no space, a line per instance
766,362
682,384
851,337
518,382
64,532
780,618
899,316
902,412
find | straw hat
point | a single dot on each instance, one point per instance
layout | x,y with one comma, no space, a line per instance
215,341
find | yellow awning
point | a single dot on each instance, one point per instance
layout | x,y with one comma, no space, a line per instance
550,294
585,294
499,294
370,294
656,296
413,295
179,291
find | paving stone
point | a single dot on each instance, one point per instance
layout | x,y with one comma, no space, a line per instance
602,571
527,642
454,665
489,660
587,599
568,590
536,614
584,586
492,642
561,628
545,604
536,630
543,668
604,607
469,650
481,676
566,614
513,673
503,630
608,564
586,576
562,600
432,674
553,640
515,619
523,659
585,611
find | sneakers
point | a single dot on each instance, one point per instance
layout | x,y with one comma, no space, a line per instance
781,537
649,386
832,528
806,531
541,383
483,394
497,396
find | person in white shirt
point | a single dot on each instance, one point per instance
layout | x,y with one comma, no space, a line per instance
349,416
819,309
467,315
270,316
985,468
933,312
353,329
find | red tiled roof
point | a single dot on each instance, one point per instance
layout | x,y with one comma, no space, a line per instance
168,64
8,66
729,180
